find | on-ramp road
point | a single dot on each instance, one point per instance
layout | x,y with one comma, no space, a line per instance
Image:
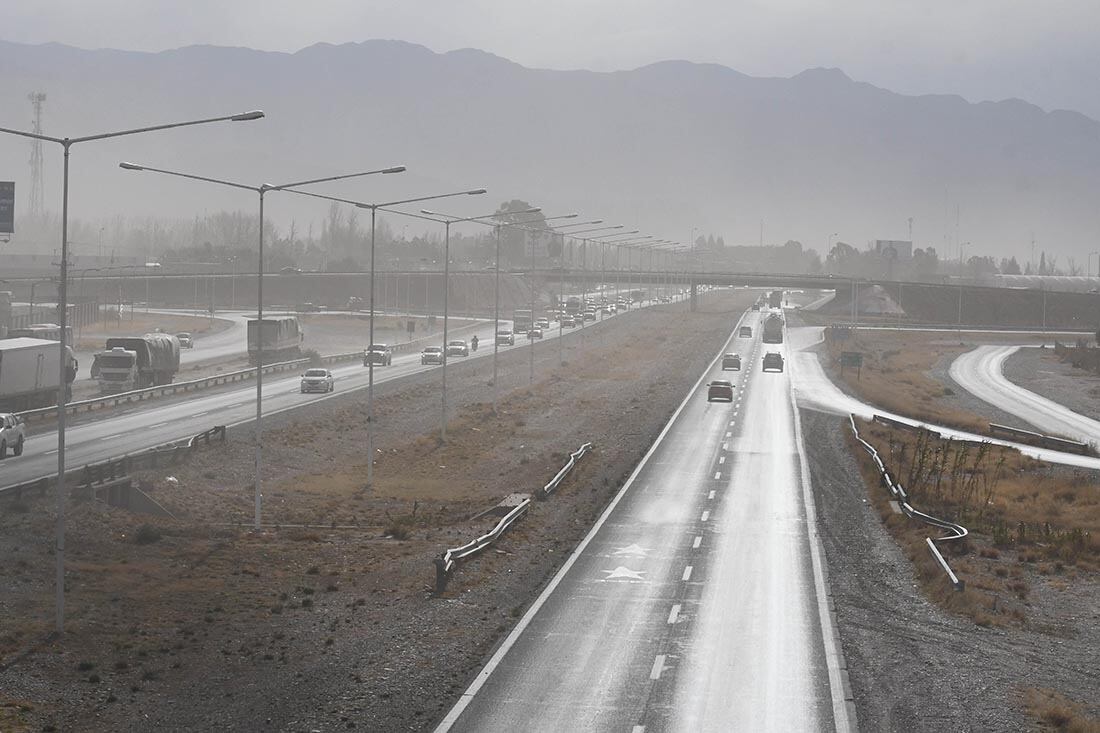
697,601
981,373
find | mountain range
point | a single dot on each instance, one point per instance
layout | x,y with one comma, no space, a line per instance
667,148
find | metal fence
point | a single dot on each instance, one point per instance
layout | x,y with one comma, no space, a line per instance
955,531
446,563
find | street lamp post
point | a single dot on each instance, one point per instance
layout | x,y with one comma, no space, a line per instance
66,144
261,192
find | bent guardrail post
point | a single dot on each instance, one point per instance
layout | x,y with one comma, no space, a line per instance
958,531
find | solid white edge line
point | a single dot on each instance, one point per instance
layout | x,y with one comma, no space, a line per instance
843,719
464,700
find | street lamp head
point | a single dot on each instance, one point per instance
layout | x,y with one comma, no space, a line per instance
130,166
395,169
248,116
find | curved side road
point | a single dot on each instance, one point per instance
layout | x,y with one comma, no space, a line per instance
814,390
981,373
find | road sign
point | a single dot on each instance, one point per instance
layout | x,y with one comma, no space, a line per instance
851,359
7,207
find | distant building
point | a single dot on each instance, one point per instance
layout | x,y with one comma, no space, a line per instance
901,249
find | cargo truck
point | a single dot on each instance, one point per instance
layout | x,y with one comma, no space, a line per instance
282,339
522,319
30,373
136,362
773,330
775,299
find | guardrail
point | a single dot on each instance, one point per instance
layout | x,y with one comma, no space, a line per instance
445,563
1039,439
957,531
95,474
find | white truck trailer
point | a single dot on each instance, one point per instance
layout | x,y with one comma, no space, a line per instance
30,373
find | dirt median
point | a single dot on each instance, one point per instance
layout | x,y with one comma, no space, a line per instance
326,619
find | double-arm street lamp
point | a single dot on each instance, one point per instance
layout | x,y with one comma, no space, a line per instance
66,144
262,191
447,219
370,359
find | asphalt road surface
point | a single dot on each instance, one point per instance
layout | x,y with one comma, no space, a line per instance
981,373
97,437
696,602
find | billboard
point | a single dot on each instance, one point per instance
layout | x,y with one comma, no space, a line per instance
7,207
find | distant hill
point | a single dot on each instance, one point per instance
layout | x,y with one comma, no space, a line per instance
665,148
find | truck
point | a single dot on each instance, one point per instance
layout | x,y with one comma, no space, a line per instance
573,304
136,362
775,299
30,373
773,329
522,320
282,339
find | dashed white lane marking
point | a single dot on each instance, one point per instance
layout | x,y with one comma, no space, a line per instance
725,446
706,515
51,452
112,437
658,667
674,613
734,412
729,434
198,414
711,494
698,541
687,573
158,425
717,475
638,729
721,460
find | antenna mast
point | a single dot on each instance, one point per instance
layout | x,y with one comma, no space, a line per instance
36,99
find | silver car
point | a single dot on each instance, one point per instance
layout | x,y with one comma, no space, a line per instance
318,380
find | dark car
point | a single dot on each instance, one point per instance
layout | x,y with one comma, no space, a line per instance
431,355
756,306
745,332
731,361
773,362
378,354
719,390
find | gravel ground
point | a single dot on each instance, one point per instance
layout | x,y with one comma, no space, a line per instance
334,626
1040,371
914,667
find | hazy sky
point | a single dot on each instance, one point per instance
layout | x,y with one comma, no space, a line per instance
1045,52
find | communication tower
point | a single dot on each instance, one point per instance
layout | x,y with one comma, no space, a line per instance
36,100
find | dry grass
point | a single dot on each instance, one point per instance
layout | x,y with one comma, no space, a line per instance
1025,517
1055,712
92,337
895,375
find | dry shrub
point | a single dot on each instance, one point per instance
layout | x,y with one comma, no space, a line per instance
1056,712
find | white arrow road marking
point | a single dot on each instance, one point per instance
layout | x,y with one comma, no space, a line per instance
631,550
621,572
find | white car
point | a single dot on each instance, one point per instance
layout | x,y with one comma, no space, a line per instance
458,348
186,341
12,434
317,380
506,338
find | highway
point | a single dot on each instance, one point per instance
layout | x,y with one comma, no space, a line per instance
697,601
96,437
981,373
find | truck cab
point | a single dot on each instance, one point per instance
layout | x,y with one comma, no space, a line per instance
116,370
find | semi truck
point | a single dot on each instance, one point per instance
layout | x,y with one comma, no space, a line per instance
30,373
136,362
282,339
522,320
773,330
775,299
